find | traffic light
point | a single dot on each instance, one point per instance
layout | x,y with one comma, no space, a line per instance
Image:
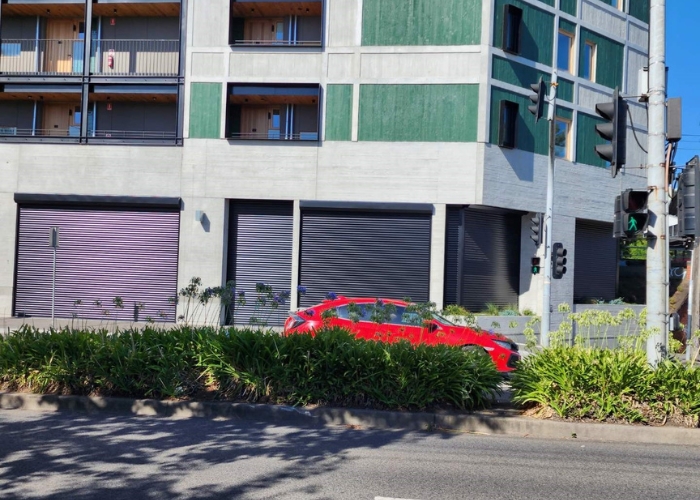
615,131
537,106
558,261
634,217
618,231
535,265
536,228
688,197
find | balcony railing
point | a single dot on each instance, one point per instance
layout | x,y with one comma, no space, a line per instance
274,135
136,57
277,43
74,131
108,57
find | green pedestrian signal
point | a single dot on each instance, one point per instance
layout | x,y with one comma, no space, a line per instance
633,213
535,265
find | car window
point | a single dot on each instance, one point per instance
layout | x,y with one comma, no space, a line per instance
411,318
364,311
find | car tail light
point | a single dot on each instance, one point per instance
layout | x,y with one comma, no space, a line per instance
296,321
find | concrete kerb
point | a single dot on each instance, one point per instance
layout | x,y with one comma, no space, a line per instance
503,421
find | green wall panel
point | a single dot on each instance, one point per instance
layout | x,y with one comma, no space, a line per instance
529,136
338,112
565,91
569,6
421,22
536,31
418,113
516,73
205,111
640,9
609,58
587,139
567,26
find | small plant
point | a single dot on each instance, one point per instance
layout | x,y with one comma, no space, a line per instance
455,310
492,309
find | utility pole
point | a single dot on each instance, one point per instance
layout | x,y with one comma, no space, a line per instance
547,293
657,256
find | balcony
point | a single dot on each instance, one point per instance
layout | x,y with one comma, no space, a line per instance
109,57
116,113
120,46
273,112
279,23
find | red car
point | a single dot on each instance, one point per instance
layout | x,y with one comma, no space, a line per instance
359,315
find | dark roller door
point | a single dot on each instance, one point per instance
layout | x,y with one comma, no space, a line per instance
103,254
260,250
595,269
452,264
365,254
490,259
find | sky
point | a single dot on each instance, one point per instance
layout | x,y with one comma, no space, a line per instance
683,61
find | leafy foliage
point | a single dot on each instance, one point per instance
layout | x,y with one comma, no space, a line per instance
330,367
607,385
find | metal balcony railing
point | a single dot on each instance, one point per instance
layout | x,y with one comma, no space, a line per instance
74,131
57,57
136,57
272,43
274,135
133,134
108,57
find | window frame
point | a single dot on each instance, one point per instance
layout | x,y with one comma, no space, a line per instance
508,130
592,60
512,22
568,144
572,46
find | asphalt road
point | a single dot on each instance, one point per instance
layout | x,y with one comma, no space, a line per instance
76,456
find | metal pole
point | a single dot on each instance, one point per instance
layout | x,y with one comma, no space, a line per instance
53,287
547,293
689,321
657,257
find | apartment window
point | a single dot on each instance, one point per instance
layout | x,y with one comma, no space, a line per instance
562,138
273,112
565,58
506,124
618,4
588,61
292,23
512,17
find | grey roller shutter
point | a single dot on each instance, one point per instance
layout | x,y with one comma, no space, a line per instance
104,253
260,251
491,259
365,254
595,267
452,267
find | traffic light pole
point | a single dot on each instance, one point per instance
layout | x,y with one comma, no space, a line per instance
547,293
657,256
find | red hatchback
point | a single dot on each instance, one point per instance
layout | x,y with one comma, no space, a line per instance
359,315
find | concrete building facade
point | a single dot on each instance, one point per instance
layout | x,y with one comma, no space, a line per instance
377,147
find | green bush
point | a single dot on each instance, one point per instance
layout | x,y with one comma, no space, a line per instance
607,385
246,365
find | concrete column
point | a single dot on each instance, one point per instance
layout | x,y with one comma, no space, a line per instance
437,255
296,247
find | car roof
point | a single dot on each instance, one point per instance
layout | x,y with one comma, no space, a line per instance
342,301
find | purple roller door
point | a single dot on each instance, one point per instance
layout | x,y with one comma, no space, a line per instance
103,254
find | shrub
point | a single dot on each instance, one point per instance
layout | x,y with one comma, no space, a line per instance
331,367
607,385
